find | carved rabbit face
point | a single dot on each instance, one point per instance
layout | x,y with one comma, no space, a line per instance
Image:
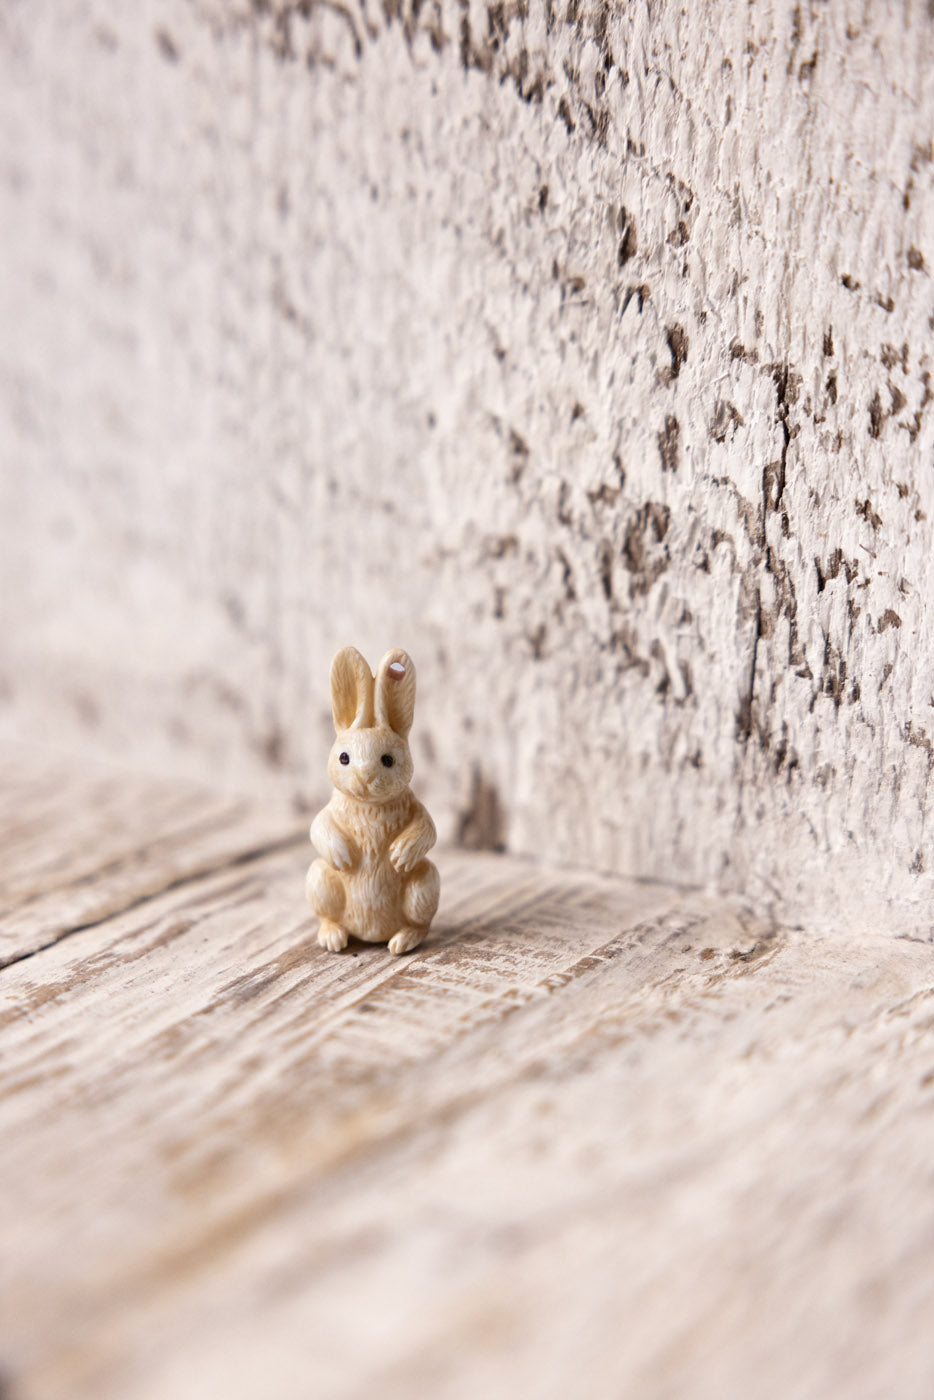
370,759
372,765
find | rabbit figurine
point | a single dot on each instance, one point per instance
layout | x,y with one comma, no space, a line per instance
372,880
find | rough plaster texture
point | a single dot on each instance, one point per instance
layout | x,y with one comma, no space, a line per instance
584,351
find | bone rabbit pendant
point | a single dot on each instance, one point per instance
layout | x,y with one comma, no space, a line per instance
372,880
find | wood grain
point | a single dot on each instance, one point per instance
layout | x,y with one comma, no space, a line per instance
81,844
594,1137
583,349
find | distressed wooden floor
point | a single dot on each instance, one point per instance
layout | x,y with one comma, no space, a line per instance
595,1138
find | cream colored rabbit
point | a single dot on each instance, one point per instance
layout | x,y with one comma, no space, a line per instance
372,880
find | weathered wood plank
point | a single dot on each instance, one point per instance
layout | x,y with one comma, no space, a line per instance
588,357
83,842
594,1137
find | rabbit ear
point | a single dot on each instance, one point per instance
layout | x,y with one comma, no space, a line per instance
351,691
395,692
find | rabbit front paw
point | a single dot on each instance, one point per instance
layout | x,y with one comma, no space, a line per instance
405,852
340,851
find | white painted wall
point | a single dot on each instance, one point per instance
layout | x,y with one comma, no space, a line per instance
583,351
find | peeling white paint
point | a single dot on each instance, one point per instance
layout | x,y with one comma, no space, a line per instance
609,343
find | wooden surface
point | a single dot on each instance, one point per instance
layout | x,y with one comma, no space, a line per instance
581,348
594,1138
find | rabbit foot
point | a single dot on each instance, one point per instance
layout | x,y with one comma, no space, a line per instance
406,939
331,936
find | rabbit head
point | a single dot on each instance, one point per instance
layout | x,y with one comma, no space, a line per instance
370,759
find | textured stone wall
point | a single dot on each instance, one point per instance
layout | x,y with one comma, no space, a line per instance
583,350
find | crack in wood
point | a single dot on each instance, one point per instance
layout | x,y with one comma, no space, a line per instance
232,862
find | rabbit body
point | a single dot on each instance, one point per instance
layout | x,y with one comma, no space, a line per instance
372,879
374,890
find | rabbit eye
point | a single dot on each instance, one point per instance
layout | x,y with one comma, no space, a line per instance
345,757
387,760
